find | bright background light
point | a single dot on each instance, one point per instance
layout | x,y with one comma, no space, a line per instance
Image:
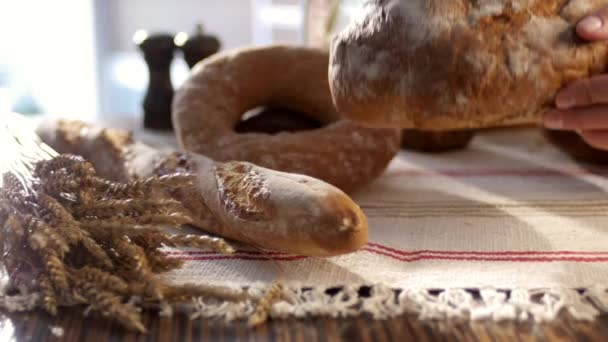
47,48
79,58
281,16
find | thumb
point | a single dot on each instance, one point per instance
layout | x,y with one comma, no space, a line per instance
594,26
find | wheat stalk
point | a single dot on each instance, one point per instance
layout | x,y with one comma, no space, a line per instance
22,148
69,237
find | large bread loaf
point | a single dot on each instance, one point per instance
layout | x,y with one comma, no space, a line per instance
447,64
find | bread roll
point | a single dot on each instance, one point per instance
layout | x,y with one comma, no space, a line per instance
449,64
211,102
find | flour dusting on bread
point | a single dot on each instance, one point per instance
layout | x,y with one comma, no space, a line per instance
413,12
544,33
487,8
575,9
242,190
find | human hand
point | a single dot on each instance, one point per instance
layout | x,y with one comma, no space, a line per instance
583,105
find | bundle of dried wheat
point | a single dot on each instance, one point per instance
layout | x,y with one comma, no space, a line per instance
69,237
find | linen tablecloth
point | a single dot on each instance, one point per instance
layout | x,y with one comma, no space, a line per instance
509,228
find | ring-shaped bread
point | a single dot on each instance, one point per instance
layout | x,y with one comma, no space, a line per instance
211,103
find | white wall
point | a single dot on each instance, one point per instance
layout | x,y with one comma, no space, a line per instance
123,74
228,19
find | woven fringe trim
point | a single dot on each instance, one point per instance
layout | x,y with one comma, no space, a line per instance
383,302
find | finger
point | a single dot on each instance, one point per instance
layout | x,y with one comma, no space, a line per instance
594,26
579,119
584,92
597,139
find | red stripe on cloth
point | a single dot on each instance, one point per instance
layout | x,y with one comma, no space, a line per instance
409,259
216,253
411,256
496,172
242,257
489,258
495,253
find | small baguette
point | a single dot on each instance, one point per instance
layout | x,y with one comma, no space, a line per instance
238,200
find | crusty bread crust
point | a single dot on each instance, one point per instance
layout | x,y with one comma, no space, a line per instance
448,64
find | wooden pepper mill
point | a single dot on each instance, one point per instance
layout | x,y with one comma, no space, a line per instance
158,52
199,46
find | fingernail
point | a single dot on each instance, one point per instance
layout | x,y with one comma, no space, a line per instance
553,121
565,101
591,24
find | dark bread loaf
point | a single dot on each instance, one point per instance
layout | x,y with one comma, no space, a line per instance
435,142
448,64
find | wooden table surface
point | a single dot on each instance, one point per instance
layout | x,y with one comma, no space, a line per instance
37,327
